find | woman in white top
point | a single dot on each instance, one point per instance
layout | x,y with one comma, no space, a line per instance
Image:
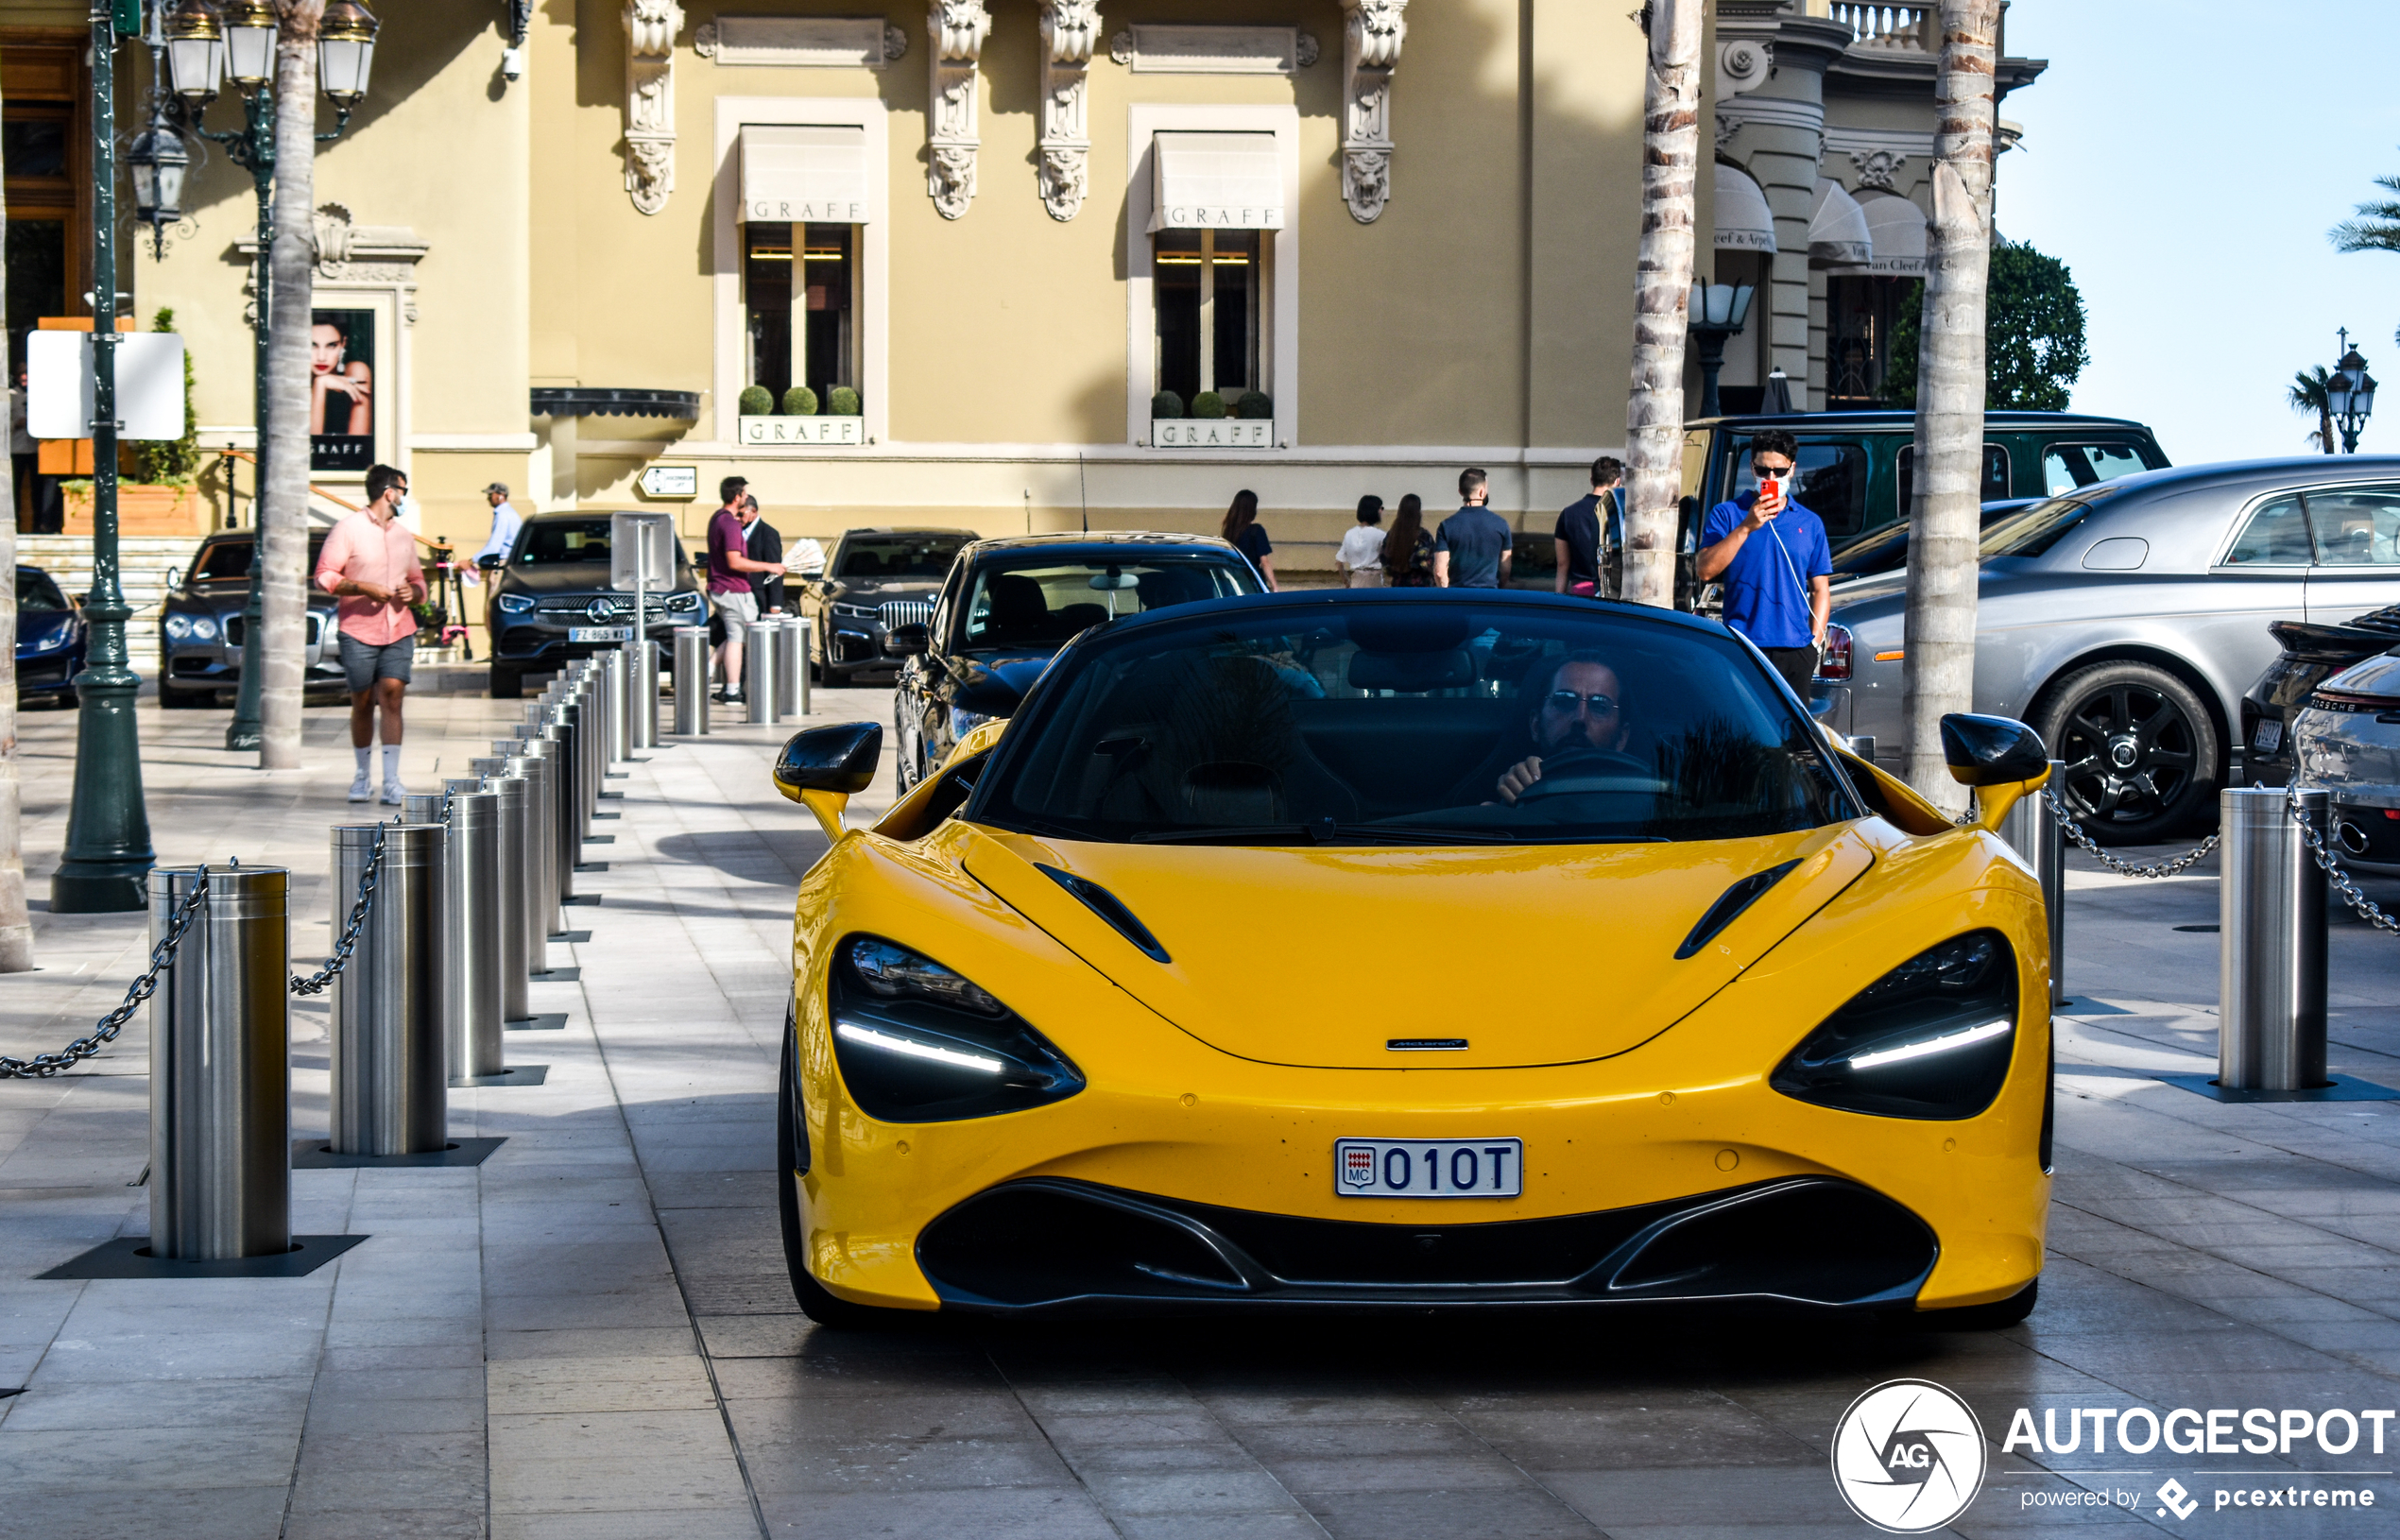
1361,552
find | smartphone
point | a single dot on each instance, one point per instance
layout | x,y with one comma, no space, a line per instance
1771,491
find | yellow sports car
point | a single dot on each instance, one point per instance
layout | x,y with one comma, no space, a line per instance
1360,949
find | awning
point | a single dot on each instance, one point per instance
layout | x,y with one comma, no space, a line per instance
1838,228
1216,181
1898,229
800,172
1743,221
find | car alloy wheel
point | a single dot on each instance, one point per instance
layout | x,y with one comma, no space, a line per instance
2138,749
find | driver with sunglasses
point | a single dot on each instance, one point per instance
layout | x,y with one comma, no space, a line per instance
1582,709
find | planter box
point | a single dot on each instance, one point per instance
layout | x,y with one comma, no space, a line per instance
1211,432
801,430
143,508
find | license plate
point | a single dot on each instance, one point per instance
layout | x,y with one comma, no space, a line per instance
1429,1168
599,633
2270,735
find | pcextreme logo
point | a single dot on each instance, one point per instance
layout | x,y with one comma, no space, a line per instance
1907,1456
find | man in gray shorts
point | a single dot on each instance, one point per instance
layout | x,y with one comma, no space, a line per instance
370,562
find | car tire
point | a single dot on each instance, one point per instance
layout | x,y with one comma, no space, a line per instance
506,683
69,700
2141,752
1998,1316
818,1303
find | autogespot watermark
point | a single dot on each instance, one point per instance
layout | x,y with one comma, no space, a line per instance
1910,1455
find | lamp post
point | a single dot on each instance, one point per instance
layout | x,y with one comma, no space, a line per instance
107,850
1718,312
2350,392
204,46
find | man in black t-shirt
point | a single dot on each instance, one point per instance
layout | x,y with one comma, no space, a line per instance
1579,536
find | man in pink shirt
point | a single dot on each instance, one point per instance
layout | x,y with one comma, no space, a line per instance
370,562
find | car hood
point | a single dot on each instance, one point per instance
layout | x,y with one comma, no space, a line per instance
40,629
575,577
219,594
995,682
877,589
1534,955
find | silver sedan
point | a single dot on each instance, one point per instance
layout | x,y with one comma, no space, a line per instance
2125,620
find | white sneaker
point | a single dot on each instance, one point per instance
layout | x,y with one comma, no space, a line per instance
393,795
362,789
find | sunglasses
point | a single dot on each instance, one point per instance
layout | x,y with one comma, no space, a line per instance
1566,701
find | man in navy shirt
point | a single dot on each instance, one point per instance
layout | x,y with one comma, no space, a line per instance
1770,555
1472,550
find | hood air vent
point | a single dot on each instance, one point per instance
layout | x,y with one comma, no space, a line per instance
1728,908
1110,908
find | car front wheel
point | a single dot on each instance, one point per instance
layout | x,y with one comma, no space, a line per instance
2139,752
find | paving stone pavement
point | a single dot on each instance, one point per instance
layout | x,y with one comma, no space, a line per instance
592,1335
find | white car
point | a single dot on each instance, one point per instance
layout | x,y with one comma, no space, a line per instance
2346,742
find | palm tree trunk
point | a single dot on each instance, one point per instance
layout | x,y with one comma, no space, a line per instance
1662,297
2324,425
1938,676
16,921
284,574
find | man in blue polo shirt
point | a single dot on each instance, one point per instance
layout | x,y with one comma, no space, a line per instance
1770,555
1473,548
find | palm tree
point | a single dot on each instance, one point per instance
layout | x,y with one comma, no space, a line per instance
2308,394
283,524
2376,228
16,921
1662,297
1938,676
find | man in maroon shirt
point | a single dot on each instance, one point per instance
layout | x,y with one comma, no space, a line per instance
729,568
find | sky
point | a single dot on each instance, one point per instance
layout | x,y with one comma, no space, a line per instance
2185,160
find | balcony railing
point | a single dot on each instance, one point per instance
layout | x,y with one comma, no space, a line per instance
1899,28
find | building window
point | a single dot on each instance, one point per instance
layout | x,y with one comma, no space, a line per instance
1210,293
801,296
1860,312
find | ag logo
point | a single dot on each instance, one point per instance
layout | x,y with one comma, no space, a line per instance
1907,1456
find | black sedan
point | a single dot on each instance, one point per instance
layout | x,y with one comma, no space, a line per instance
1009,605
50,640
200,626
877,581
551,600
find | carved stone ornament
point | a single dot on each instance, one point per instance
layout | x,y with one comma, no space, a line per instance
957,29
895,42
704,40
1120,48
1877,167
349,256
1070,31
650,27
1304,49
1742,64
1371,40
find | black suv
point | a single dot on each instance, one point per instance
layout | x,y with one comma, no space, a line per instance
877,581
201,624
551,603
1009,605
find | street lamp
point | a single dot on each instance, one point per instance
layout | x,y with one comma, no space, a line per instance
1718,312
205,45
158,161
2350,393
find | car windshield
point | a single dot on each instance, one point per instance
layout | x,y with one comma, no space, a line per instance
885,556
1886,550
550,542
2040,527
1412,722
34,591
231,559
1042,601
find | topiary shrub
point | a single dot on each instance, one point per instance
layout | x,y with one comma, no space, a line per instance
1208,404
755,401
1166,404
842,402
1255,405
800,402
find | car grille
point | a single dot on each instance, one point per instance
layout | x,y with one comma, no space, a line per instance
899,612
235,629
599,608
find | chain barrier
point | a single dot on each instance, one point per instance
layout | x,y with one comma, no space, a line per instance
322,980
2123,868
42,1066
2341,881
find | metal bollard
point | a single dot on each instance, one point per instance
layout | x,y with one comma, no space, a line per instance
220,1068
691,680
788,673
509,778
422,808
574,746
758,675
2033,830
615,730
475,1012
541,838
806,626
2270,896
391,1089
641,696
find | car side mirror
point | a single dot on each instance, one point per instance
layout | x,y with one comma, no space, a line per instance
908,641
174,578
824,768
2001,757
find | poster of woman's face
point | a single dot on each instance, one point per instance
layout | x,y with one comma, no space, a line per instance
341,399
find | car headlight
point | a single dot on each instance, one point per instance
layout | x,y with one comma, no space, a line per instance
856,612
514,604
962,722
1931,1038
204,628
177,627
685,603
920,1043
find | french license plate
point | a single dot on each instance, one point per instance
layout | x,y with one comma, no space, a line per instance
599,633
1429,1168
2269,734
